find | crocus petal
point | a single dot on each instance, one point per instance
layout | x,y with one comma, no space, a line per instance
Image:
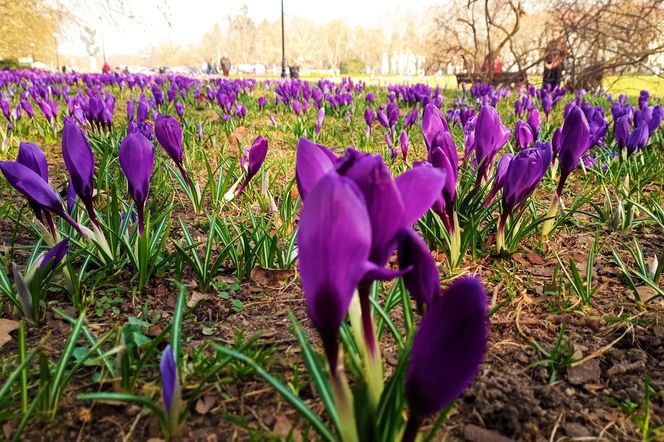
312,162
169,377
32,186
432,123
448,348
169,135
422,281
420,187
79,160
384,203
31,155
333,251
53,257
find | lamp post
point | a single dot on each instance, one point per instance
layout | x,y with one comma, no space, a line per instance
57,55
283,44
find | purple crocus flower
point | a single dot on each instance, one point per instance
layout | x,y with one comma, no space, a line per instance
80,163
27,107
297,107
38,192
456,327
638,138
200,131
382,119
523,175
534,121
621,131
262,101
257,155
170,384
432,124
490,136
574,142
499,179
523,134
273,120
169,135
403,141
370,98
368,118
137,157
130,111
179,109
319,120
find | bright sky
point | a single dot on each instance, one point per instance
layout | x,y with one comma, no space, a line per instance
189,19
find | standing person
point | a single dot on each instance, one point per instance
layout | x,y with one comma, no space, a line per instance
106,68
553,64
225,64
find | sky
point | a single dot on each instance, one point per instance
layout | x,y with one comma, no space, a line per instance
186,21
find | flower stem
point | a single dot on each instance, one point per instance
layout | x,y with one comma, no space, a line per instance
343,402
551,216
365,338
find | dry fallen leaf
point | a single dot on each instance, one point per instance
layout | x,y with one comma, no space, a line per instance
85,415
205,404
6,327
197,297
270,277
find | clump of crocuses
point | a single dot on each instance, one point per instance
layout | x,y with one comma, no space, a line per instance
341,255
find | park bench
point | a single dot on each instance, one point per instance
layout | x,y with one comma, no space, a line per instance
498,79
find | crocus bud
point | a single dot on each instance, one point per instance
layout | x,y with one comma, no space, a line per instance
621,131
403,141
169,135
319,120
257,155
523,134
31,155
638,138
524,173
170,386
534,121
136,156
575,141
456,327
80,163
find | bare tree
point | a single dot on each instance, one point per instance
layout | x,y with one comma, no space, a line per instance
607,37
476,33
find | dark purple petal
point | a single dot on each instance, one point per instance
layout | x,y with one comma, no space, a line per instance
499,179
169,377
80,163
136,156
55,254
432,123
384,203
448,349
333,253
575,141
31,155
169,135
312,162
422,280
420,188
